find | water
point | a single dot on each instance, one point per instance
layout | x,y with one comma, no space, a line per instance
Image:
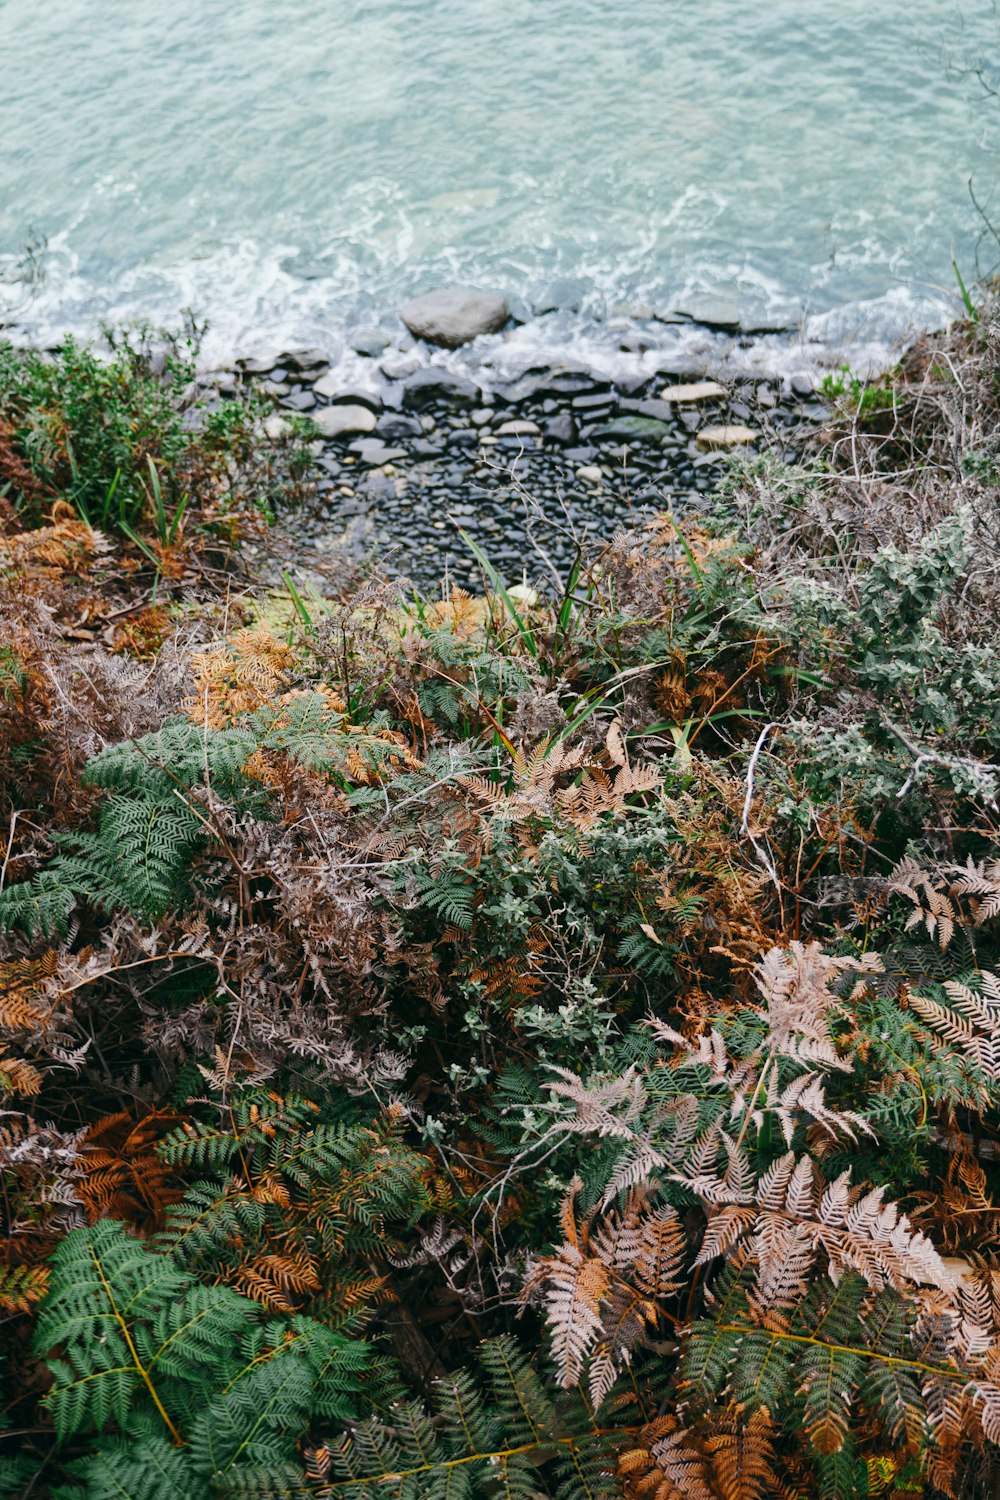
294,170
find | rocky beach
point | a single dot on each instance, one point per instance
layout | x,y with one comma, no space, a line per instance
414,443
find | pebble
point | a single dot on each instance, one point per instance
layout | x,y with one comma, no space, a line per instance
590,474
734,435
519,428
484,415
277,428
699,390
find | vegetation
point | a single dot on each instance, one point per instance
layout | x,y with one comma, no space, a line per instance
500,1047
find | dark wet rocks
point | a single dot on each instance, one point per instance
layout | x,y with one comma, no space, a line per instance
454,315
394,426
332,389
401,471
434,383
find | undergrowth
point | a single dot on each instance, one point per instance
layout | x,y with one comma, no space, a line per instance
490,1046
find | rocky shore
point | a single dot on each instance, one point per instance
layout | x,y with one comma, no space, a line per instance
413,446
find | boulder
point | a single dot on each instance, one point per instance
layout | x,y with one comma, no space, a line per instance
341,421
454,315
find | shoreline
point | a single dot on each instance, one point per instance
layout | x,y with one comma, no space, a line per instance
529,440
418,443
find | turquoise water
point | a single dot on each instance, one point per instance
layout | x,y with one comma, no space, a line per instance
290,170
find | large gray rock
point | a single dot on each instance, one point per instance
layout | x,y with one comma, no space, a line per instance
339,421
436,384
454,315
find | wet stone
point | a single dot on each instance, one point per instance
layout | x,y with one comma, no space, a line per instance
561,429
434,383
299,401
394,425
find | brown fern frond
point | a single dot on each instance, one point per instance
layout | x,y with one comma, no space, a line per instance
740,1451
123,1174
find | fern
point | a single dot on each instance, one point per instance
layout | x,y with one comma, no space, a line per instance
503,1435
189,1384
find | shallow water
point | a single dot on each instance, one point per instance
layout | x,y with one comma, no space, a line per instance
292,170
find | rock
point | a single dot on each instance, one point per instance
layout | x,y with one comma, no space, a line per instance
523,595
758,325
259,364
663,411
277,428
339,421
398,365
522,428
732,436
370,341
304,359
721,313
699,390
802,384
561,429
300,401
436,384
375,454
633,427
590,474
395,426
222,381
594,401
463,437
519,310
454,315
483,416
332,388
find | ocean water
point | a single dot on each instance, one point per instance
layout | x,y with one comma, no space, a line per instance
293,171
